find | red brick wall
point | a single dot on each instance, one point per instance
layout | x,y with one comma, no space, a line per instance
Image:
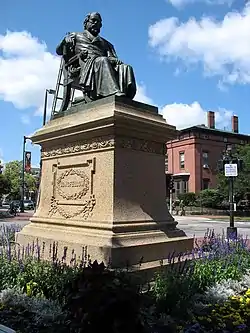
193,145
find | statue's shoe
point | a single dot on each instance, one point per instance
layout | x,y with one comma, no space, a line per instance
78,100
119,93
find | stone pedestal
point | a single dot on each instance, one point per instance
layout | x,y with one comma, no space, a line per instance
103,185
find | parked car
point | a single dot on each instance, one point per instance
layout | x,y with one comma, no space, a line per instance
29,204
5,204
17,203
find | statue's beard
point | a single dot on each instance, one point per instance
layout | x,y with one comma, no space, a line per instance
94,31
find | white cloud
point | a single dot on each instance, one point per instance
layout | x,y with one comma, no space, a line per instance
182,3
25,119
141,95
186,115
26,69
222,47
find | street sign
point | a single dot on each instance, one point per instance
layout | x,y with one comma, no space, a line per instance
231,170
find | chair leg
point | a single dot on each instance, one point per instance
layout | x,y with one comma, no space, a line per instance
66,98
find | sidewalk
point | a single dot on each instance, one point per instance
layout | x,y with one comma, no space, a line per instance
20,217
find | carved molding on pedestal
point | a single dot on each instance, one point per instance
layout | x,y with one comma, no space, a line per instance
141,145
106,142
77,147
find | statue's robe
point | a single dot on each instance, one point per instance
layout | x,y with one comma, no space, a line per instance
98,74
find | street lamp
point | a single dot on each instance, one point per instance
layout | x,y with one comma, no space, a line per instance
1,167
47,92
25,138
231,165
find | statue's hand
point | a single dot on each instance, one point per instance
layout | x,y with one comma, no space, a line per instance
84,55
115,61
69,39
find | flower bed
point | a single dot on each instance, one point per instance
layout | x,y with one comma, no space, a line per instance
208,294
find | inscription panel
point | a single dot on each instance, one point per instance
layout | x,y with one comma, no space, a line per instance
73,190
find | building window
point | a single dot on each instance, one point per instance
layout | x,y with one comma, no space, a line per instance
177,187
205,184
205,158
185,186
166,162
181,186
182,160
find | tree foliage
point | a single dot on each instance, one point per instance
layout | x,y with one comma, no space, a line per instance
188,198
210,198
5,185
13,173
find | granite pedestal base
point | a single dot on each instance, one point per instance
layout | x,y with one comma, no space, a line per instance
103,185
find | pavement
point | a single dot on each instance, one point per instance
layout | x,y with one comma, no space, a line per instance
197,225
192,225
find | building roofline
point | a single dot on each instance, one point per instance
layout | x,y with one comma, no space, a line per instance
213,130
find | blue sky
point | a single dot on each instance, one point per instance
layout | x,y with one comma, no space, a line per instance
189,56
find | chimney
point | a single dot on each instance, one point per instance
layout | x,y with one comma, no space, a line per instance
235,124
210,119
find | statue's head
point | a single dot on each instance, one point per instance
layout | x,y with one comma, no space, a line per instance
93,23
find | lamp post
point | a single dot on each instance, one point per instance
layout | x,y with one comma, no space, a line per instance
171,192
231,165
25,138
1,167
47,92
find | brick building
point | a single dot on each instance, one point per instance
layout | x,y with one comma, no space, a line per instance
192,158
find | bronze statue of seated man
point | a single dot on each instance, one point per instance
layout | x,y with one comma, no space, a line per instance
101,72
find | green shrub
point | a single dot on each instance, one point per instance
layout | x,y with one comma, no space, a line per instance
30,314
30,275
173,293
188,199
210,198
102,300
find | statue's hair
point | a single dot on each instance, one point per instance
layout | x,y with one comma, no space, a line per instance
88,17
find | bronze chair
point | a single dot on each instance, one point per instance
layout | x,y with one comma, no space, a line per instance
70,69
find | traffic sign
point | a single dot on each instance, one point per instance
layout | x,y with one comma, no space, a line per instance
231,170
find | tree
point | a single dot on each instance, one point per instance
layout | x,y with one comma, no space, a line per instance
5,185
210,198
13,172
188,198
242,181
30,182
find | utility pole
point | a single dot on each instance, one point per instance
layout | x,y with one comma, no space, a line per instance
231,165
23,173
171,192
47,92
231,230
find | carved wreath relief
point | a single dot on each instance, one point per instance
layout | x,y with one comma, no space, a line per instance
73,190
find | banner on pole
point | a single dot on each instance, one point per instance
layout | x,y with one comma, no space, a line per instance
28,161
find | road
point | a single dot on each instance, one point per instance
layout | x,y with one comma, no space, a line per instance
192,225
196,225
